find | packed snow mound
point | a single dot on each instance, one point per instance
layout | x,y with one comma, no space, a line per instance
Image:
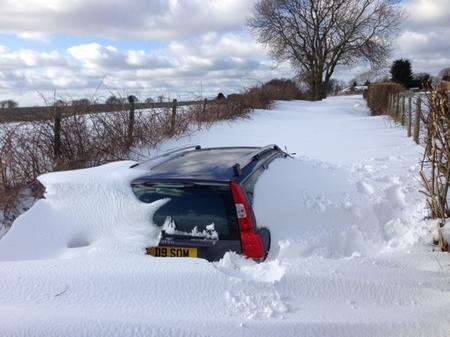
318,209
89,211
241,268
315,209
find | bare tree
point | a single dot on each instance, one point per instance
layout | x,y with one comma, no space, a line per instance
315,36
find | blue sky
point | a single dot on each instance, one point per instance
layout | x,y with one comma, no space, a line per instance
81,48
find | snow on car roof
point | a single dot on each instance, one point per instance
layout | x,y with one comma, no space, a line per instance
208,164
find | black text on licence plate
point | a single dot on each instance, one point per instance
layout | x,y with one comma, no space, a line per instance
172,252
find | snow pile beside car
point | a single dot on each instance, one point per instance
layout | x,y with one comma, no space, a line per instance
92,211
314,208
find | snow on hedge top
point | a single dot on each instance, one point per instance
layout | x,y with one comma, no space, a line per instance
84,211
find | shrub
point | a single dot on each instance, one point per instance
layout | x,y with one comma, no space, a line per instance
220,96
422,80
377,96
281,89
444,74
401,73
8,104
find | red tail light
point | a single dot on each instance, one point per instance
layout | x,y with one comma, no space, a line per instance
252,245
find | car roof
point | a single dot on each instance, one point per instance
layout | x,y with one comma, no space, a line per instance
217,164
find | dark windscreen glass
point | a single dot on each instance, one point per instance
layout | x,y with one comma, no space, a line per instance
191,205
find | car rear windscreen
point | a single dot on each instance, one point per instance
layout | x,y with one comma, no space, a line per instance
192,205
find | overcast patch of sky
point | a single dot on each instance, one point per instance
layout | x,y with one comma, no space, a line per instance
183,48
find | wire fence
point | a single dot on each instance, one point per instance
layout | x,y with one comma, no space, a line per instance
26,114
426,118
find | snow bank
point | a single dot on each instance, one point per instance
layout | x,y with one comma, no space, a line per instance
347,258
314,208
90,211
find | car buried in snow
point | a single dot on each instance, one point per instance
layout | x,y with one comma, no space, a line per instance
209,200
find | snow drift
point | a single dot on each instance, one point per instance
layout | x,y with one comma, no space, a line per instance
349,254
89,211
311,208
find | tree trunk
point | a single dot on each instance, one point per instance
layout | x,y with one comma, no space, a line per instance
317,88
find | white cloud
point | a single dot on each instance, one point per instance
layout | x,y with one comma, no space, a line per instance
424,39
97,57
422,13
409,41
203,43
33,36
137,19
25,58
218,62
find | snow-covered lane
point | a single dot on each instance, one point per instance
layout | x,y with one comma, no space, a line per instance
337,130
145,296
350,253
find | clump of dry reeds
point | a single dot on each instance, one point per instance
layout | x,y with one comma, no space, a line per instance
435,166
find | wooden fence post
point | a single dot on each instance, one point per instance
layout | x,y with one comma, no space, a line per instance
57,135
130,121
417,120
391,108
202,117
409,116
397,106
403,110
174,117
389,103
204,105
392,112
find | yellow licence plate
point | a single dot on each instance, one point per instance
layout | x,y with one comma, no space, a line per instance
172,252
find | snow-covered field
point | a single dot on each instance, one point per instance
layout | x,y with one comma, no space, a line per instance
350,254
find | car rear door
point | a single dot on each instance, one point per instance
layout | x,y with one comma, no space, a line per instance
197,215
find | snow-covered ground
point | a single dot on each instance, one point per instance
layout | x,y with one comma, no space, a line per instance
350,253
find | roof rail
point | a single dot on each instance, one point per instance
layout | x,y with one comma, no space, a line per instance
237,168
168,154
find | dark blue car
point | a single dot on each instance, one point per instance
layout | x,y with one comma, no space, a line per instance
209,195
